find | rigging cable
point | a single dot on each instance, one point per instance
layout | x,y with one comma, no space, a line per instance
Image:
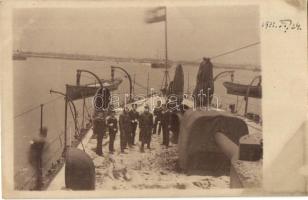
87,109
141,86
238,49
38,106
76,127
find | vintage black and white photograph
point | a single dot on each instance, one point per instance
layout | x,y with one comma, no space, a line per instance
134,98
153,99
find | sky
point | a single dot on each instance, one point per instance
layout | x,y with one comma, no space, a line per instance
193,32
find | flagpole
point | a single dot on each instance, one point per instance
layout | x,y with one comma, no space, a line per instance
153,17
166,51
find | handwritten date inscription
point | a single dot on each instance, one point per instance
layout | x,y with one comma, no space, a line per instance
284,25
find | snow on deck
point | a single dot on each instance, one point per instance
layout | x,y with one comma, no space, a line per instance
154,169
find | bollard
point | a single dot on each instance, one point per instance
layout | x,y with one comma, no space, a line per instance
250,148
79,170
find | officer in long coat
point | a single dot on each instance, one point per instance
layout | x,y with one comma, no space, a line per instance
165,122
99,129
112,124
134,116
146,126
125,128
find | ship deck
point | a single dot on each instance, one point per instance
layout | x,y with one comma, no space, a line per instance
154,169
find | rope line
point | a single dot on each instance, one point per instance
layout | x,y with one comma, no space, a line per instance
53,140
34,108
49,158
238,49
141,86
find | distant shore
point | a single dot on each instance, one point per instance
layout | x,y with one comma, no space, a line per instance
23,55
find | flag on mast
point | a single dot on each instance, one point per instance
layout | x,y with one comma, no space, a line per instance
157,14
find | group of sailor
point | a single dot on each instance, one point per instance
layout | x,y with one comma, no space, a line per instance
127,125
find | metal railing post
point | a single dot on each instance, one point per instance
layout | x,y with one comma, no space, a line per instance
129,79
65,124
42,107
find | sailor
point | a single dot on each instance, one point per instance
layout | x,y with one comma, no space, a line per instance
101,104
36,153
146,125
112,124
134,115
158,115
99,129
125,128
165,122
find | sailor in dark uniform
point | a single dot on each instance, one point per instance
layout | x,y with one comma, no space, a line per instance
112,124
36,156
146,125
134,115
101,104
165,122
99,129
125,128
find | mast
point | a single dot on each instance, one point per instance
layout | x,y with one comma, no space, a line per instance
148,84
153,16
134,84
166,50
166,72
188,83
